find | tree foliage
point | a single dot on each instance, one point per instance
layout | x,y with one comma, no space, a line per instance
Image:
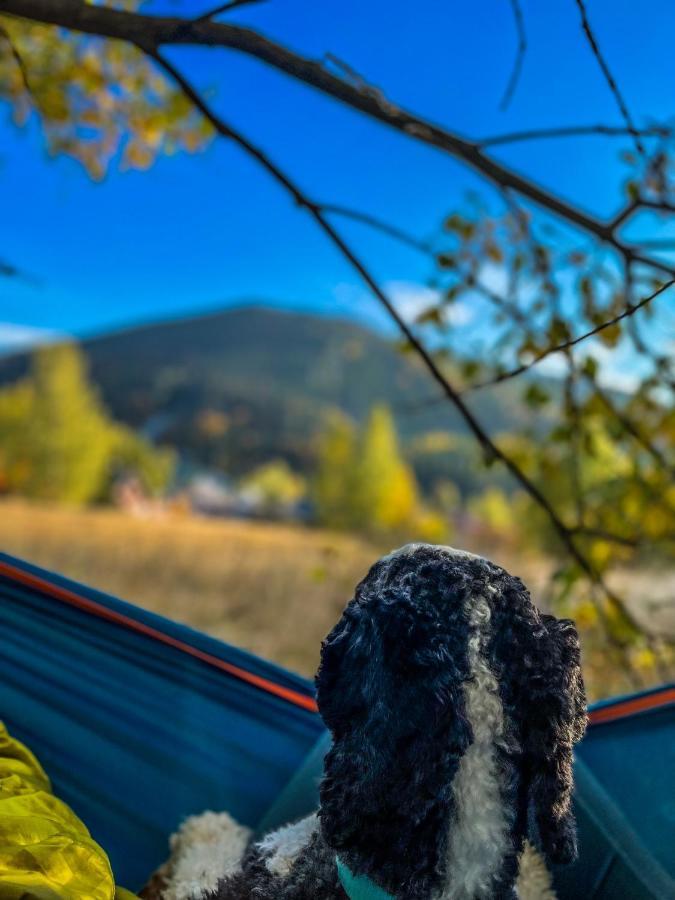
59,443
98,101
332,488
603,450
385,494
363,483
276,487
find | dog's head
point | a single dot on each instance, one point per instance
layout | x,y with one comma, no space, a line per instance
438,652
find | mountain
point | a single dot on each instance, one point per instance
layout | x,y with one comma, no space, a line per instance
238,387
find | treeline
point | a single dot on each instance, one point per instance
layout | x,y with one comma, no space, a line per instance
363,483
58,443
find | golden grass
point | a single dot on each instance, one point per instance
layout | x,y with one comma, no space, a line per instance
273,589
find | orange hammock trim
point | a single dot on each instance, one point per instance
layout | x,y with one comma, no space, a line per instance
98,609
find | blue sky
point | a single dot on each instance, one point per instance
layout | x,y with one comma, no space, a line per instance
209,230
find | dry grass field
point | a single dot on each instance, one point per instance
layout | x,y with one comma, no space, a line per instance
274,589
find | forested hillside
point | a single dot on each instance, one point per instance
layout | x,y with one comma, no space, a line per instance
234,388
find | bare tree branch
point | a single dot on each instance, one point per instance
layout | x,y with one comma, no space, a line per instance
520,55
566,345
609,78
151,32
536,134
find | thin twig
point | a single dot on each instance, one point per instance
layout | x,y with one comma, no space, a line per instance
624,214
609,78
658,205
520,55
572,408
590,531
358,81
662,365
18,59
658,244
224,8
500,302
392,230
628,311
630,427
537,134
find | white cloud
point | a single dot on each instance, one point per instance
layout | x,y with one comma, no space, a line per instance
409,299
15,337
494,278
618,368
553,366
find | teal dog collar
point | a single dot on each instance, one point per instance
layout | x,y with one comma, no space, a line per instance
359,887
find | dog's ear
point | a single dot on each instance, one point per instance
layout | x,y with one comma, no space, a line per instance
339,681
555,719
389,688
389,665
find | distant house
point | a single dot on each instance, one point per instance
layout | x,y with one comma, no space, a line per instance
212,494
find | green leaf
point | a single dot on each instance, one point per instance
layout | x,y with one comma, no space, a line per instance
447,261
430,316
558,331
535,396
590,367
611,335
470,368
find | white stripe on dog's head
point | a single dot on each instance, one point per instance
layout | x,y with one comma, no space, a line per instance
479,831
410,549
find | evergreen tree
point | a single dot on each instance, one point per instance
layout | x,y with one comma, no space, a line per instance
16,404
362,482
333,488
69,438
58,442
385,490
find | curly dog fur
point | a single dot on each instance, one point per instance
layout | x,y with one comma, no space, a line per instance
454,706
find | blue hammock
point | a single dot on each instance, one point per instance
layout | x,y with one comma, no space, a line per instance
140,722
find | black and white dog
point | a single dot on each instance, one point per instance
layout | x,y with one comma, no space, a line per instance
454,706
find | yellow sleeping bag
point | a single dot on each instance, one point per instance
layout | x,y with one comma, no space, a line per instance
46,853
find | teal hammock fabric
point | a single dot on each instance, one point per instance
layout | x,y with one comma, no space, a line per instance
136,733
140,721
